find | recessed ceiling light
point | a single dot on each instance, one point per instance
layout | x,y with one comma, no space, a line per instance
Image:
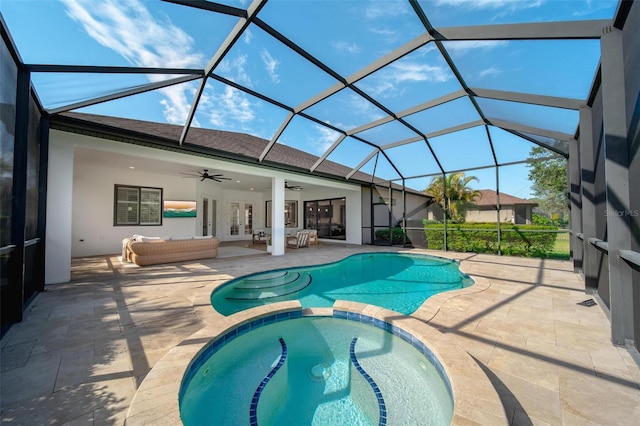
131,167
250,189
237,181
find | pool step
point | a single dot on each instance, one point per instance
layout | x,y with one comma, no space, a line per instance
301,282
268,282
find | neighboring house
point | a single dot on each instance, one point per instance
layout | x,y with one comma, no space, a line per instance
96,162
483,209
512,209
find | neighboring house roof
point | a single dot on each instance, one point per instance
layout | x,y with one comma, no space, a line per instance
488,197
218,143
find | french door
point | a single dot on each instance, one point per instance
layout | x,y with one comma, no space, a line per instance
240,220
209,215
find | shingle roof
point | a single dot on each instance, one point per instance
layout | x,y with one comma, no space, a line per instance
216,142
488,197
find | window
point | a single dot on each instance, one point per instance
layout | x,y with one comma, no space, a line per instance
290,214
329,217
136,205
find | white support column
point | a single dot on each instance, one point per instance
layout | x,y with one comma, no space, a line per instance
277,216
617,178
57,263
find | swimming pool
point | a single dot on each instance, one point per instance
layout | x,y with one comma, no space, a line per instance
397,281
349,369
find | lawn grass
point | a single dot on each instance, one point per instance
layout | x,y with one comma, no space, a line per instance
561,248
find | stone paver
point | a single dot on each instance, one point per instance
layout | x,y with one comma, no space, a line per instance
86,347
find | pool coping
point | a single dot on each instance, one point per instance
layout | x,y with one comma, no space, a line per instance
476,400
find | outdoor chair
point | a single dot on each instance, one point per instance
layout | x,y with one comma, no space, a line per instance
313,236
301,239
260,237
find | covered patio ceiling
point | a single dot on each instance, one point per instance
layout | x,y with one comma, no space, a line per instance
401,90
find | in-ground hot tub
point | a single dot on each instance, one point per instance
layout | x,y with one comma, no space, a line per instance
348,369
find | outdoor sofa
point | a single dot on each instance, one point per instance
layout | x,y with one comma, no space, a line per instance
145,251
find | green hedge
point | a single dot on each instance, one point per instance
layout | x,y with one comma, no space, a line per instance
397,233
516,240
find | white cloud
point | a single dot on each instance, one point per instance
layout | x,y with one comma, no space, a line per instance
489,72
229,106
234,70
413,71
503,5
360,106
384,32
326,137
247,36
385,9
176,104
129,29
386,83
464,46
345,47
271,65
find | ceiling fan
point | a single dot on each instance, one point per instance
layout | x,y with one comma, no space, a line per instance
204,174
290,187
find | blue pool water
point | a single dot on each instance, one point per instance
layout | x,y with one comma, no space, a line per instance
396,281
334,371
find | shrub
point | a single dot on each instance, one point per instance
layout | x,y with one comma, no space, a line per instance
516,240
398,235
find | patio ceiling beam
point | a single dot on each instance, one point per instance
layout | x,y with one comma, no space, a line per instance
275,137
118,95
250,92
390,57
320,97
371,125
224,48
452,66
457,128
588,29
537,142
362,163
507,125
96,69
391,163
402,142
550,101
433,103
327,153
368,70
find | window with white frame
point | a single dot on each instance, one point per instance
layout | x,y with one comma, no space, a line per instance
136,205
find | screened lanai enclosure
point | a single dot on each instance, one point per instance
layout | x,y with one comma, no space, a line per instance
500,127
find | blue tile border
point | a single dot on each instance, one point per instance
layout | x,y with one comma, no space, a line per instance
253,410
404,335
376,390
241,329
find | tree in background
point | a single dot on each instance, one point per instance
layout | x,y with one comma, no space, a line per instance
548,175
457,193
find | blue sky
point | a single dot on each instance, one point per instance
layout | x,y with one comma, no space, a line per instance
346,36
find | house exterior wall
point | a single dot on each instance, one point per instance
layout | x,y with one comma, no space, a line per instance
81,197
488,214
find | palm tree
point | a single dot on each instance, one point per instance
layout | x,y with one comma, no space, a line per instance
457,193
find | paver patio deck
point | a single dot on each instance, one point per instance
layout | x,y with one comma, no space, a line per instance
85,347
